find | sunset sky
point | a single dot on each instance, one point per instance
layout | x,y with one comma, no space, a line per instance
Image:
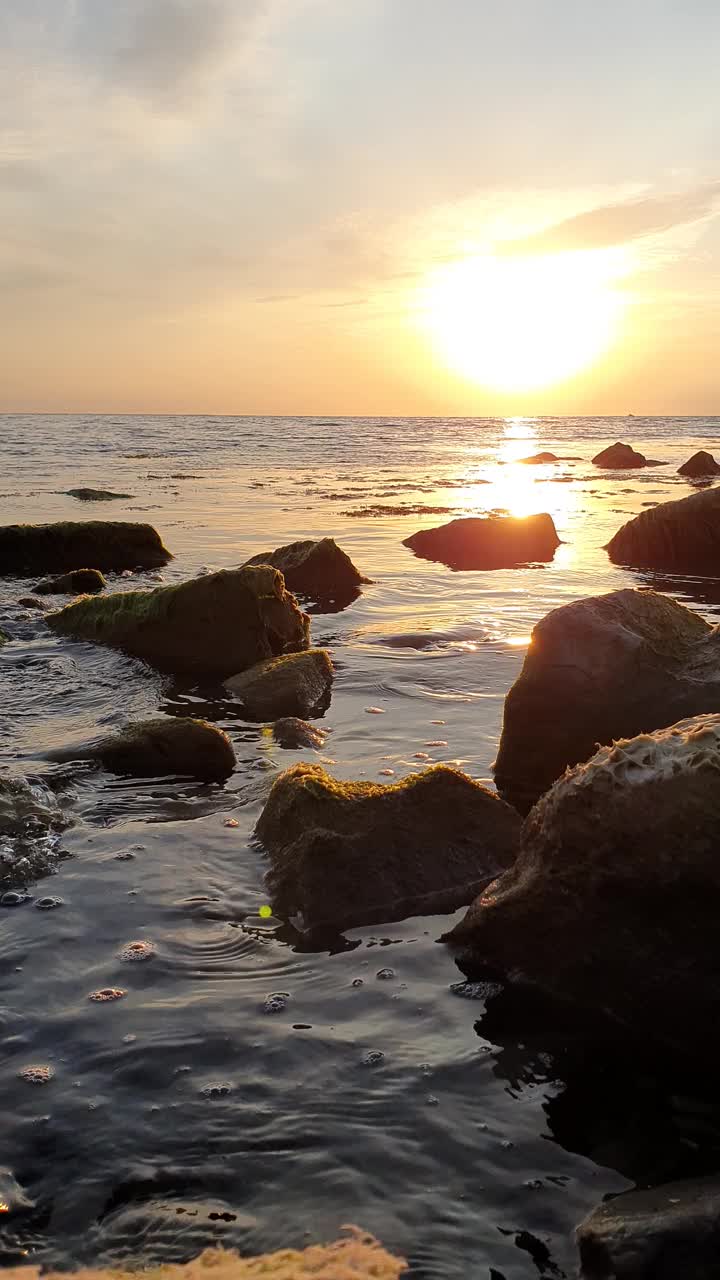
360,206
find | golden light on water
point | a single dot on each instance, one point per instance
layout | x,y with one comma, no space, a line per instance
519,323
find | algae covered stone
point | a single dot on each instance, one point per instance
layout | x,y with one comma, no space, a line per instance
489,542
214,625
79,582
354,853
317,568
675,537
293,684
160,747
614,899
607,667
72,544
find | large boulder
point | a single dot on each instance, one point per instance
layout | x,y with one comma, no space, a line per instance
159,747
106,544
677,537
598,669
294,684
88,582
614,898
317,568
356,853
700,464
621,457
489,542
671,1232
213,626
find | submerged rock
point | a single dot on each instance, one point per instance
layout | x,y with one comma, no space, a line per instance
667,1233
598,669
614,898
95,495
30,822
319,569
620,456
31,602
107,544
538,459
215,625
79,582
701,464
293,734
156,748
490,542
355,853
293,684
681,536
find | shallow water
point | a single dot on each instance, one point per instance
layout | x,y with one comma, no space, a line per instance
191,1111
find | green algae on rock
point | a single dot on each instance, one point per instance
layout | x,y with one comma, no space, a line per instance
157,748
72,544
354,853
215,625
79,582
317,568
293,684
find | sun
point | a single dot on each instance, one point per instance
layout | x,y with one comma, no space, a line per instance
514,323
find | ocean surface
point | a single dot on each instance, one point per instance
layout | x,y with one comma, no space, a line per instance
191,1112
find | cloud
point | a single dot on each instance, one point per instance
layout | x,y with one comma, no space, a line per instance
615,224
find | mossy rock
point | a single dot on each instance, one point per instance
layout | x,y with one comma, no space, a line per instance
80,582
106,544
215,625
316,568
160,747
294,684
355,853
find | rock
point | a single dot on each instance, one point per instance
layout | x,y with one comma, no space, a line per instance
620,456
491,542
214,625
294,684
158,748
95,495
30,602
538,459
13,1197
107,544
293,734
667,1233
355,853
614,898
318,569
681,536
599,669
79,582
701,464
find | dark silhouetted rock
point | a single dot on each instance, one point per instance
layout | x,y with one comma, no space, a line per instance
31,602
293,734
107,544
294,684
701,464
671,1232
96,495
608,667
316,568
614,899
79,582
621,457
156,748
680,537
215,625
490,542
351,853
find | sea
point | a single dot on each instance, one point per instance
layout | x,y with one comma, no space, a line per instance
251,1091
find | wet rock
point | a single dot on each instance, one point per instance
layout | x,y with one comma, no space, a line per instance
490,542
107,544
293,734
95,495
215,625
681,536
79,582
160,747
319,569
293,684
30,602
614,898
701,464
608,667
538,459
349,853
621,457
667,1233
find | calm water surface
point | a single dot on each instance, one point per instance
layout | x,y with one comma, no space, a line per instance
186,1114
